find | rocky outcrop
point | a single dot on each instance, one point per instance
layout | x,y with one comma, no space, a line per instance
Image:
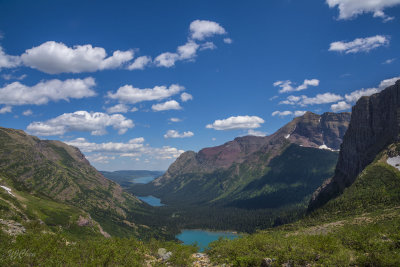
375,123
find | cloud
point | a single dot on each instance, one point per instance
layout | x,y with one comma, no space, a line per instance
7,61
389,61
135,148
352,8
238,122
256,133
172,104
140,63
174,119
360,44
228,40
299,113
44,92
342,105
200,29
296,113
317,100
27,112
208,46
187,51
53,58
6,109
282,113
186,97
8,77
176,134
81,121
286,86
134,145
130,94
119,108
355,95
166,59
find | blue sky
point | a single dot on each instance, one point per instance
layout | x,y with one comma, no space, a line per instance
135,83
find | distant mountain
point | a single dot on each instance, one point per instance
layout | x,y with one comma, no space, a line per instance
125,178
256,172
375,124
53,182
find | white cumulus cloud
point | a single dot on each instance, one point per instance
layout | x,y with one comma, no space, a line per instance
237,122
317,100
282,113
286,86
27,112
172,104
360,44
119,108
256,133
296,113
176,134
140,63
200,29
130,94
7,61
53,57
174,119
355,95
134,148
81,121
352,8
228,40
342,105
186,97
44,92
6,109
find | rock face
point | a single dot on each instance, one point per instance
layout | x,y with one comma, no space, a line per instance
375,123
228,173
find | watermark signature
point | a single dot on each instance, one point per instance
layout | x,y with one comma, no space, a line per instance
19,254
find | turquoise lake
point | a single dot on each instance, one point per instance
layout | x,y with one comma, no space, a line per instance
143,180
153,201
202,237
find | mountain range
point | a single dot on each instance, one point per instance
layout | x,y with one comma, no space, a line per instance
256,172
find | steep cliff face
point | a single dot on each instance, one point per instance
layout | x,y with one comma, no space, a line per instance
223,172
375,123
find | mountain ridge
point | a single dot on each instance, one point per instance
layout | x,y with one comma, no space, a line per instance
221,174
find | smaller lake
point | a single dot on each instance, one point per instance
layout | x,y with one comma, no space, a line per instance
153,201
202,237
143,180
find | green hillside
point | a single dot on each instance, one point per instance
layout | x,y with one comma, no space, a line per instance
54,183
359,228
